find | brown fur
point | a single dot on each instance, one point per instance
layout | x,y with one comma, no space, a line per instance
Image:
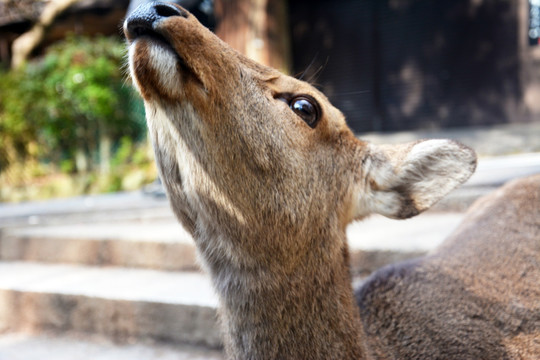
476,297
268,198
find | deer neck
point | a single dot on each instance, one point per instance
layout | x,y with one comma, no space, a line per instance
301,310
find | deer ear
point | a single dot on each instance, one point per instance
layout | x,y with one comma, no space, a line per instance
404,180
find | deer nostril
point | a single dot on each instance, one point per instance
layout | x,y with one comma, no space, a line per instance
168,10
142,20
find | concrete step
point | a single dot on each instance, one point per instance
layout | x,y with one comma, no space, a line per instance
123,305
161,245
126,304
82,209
165,245
23,346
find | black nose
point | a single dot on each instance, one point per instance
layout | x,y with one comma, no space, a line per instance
142,19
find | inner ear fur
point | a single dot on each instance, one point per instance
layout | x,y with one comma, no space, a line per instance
404,180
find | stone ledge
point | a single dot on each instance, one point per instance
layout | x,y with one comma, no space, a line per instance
24,346
117,304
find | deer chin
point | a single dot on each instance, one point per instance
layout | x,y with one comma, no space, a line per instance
156,68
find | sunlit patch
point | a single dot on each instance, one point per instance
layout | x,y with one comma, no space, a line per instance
196,182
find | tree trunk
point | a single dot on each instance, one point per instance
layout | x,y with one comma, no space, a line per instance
81,160
257,28
105,146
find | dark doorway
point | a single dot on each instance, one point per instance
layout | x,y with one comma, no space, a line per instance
408,64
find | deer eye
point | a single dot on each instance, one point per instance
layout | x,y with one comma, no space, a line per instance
307,108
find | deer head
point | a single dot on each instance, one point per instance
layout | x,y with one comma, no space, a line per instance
241,142
263,170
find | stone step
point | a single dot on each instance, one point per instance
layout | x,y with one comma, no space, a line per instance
122,305
161,245
165,245
127,304
24,346
83,209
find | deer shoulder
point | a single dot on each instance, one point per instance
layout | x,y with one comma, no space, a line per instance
476,297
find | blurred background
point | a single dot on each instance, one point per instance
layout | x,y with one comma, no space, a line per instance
71,124
92,262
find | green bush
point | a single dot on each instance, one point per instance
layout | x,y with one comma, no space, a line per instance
73,104
73,112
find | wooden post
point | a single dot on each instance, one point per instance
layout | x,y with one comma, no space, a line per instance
257,28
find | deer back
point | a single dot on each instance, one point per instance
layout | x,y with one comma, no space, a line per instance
476,297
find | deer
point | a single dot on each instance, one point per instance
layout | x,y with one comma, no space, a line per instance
265,174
